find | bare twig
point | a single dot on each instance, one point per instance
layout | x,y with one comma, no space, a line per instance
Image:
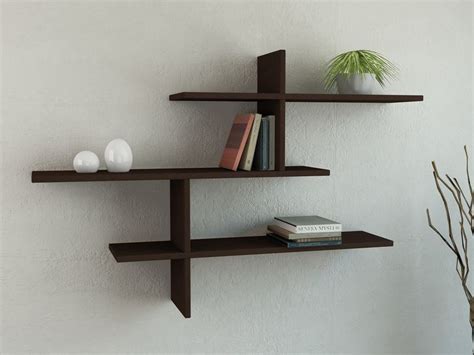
467,171
430,224
464,204
446,209
462,192
458,196
471,211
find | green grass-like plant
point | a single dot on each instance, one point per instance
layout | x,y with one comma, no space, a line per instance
360,62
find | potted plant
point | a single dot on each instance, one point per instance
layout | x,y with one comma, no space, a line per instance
460,223
355,72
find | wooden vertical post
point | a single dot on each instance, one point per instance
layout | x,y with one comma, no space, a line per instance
180,227
181,285
271,77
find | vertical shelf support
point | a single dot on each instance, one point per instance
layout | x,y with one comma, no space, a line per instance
180,233
180,226
271,76
181,285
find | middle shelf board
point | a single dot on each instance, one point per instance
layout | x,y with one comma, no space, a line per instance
255,96
204,248
172,174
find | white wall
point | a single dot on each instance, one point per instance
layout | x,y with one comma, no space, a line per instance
77,74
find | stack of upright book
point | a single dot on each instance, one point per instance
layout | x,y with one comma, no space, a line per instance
305,231
251,143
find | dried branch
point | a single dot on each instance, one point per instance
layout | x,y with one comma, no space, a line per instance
465,209
466,259
446,209
462,192
471,210
430,224
458,197
464,269
467,172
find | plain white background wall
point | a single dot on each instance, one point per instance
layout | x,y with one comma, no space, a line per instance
77,74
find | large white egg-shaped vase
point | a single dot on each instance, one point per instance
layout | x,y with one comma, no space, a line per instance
86,162
118,156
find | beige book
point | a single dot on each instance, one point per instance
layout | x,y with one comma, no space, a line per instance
249,150
306,237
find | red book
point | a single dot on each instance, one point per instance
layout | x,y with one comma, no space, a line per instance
236,142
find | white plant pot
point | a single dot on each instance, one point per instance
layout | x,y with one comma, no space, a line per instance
355,84
118,156
86,162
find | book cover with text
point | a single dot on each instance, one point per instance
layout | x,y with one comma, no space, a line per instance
308,224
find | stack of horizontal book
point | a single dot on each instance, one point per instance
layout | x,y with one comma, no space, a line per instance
251,143
305,231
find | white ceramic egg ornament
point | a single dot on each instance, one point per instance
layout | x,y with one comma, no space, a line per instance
118,156
86,162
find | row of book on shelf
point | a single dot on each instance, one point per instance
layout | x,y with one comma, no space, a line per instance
251,143
305,231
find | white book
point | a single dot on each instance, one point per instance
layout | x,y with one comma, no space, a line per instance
308,224
249,151
271,142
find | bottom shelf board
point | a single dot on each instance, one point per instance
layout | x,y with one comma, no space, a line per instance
204,248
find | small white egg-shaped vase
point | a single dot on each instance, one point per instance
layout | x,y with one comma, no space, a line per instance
355,84
118,156
86,162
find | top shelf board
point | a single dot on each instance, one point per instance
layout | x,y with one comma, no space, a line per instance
248,96
351,98
225,96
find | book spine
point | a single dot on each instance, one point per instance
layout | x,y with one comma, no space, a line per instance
324,239
261,153
306,240
271,143
314,244
266,135
249,151
258,149
320,228
305,245
297,236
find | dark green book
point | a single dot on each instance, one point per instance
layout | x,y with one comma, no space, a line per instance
261,161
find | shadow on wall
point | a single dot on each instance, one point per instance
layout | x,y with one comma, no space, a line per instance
104,213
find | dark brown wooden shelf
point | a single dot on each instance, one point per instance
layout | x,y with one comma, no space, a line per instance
140,251
224,96
352,98
244,96
204,248
172,174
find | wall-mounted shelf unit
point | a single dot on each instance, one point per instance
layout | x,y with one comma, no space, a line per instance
180,249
